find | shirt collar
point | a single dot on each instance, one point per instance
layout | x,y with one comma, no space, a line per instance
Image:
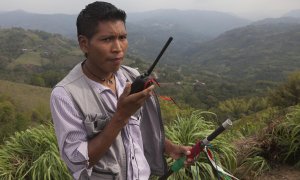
120,78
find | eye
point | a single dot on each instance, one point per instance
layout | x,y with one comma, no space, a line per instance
108,39
123,37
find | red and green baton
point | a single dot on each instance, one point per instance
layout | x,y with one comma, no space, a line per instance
196,149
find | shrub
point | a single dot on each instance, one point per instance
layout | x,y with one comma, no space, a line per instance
187,130
287,137
32,154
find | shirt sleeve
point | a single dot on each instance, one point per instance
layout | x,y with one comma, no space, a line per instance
70,132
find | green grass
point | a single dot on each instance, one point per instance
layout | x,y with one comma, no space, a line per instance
253,123
287,137
22,106
29,58
26,96
32,154
255,166
187,130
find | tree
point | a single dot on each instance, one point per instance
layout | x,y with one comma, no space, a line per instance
7,118
287,94
37,80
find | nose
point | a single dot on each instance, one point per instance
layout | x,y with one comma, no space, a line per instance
116,47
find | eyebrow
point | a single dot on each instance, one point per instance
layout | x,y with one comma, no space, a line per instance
112,35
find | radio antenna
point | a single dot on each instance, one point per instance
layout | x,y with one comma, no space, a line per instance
158,57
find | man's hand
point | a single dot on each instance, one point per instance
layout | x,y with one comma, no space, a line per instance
129,104
178,151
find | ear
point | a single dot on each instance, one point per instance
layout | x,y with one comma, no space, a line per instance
83,43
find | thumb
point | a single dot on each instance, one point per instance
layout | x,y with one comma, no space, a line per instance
126,90
186,150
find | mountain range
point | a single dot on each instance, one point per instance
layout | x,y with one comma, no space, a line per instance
145,29
207,23
264,50
206,41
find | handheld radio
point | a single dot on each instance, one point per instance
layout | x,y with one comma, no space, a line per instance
143,81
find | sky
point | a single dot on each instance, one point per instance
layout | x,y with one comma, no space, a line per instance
251,9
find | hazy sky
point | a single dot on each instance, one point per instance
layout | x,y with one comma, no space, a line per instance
246,8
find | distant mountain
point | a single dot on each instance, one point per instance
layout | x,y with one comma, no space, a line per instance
264,50
208,23
55,23
279,21
147,30
294,13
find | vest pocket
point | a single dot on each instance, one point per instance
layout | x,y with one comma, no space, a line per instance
95,123
97,175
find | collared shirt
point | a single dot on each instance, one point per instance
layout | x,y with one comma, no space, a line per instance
72,137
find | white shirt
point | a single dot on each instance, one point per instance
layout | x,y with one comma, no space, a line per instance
72,137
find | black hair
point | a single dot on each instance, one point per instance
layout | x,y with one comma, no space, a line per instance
88,18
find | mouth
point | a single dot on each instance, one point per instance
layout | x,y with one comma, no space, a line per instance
117,60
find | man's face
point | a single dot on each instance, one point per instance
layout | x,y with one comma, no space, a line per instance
107,48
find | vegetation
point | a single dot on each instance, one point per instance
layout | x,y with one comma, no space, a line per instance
288,93
286,136
36,57
236,75
187,130
32,154
22,106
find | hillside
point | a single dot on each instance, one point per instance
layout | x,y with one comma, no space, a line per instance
209,23
26,97
22,106
240,62
146,29
188,27
264,50
226,77
36,57
16,42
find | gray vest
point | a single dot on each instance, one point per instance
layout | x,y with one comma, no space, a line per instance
113,164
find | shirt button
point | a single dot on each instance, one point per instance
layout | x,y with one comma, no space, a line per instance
132,157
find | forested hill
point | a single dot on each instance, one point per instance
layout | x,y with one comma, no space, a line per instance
22,106
40,58
188,27
16,41
145,29
264,50
36,57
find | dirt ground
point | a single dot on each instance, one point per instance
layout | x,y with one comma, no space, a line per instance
281,173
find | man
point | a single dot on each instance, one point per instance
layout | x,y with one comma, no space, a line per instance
104,132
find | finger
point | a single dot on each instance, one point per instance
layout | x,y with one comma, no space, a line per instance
150,88
148,91
126,90
190,160
188,152
141,96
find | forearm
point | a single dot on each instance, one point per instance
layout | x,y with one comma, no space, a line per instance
101,143
177,151
168,146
